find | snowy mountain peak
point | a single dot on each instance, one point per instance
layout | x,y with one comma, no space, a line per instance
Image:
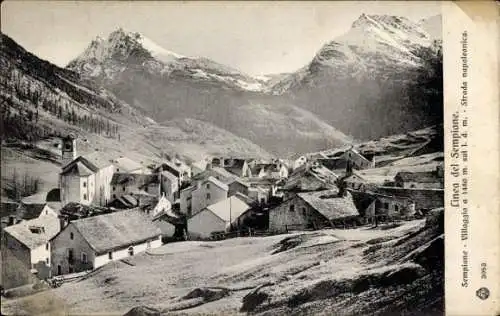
121,44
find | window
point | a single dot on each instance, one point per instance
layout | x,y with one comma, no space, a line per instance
292,208
208,196
396,208
70,255
208,185
71,236
47,246
124,188
110,255
114,188
47,260
84,184
84,196
46,212
131,251
117,169
146,189
304,211
386,205
84,257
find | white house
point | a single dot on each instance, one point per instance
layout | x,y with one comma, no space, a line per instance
91,242
86,180
25,246
217,217
201,194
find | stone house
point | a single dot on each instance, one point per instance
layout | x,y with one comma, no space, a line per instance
355,160
385,207
420,180
26,247
126,183
91,242
424,199
313,210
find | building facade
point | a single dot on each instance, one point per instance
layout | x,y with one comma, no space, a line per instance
92,242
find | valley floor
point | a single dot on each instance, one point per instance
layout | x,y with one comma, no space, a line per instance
331,272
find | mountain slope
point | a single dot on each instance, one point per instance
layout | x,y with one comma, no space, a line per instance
40,100
186,87
384,76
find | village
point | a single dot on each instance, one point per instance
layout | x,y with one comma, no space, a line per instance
106,210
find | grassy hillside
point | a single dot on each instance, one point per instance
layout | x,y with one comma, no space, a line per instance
367,271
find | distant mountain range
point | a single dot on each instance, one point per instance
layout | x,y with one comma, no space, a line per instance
384,76
40,100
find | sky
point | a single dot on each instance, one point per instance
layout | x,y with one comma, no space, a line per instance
255,37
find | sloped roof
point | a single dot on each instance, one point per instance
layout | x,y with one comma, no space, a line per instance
31,211
329,204
134,178
124,202
307,181
218,183
98,159
229,209
22,232
170,176
237,166
88,163
116,230
422,177
126,164
79,168
76,210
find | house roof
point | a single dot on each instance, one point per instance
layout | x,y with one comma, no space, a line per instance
134,178
116,230
124,202
329,204
422,177
170,176
218,183
31,239
307,181
31,211
98,159
87,164
237,166
229,209
79,168
76,210
126,164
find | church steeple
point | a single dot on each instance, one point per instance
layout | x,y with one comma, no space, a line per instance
68,149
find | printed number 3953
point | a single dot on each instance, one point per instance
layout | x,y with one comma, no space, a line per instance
483,271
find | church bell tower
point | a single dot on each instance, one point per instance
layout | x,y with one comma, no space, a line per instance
68,149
